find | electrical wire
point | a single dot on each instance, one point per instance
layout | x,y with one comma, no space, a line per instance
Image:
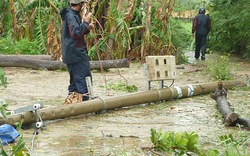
172,83
38,119
32,142
98,52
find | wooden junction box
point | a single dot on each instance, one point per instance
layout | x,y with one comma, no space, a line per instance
160,68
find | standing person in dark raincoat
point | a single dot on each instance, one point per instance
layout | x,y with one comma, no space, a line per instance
74,50
201,28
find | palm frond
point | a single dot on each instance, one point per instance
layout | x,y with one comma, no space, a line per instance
40,32
123,31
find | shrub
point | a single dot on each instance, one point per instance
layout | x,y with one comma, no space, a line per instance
187,143
230,27
219,68
24,46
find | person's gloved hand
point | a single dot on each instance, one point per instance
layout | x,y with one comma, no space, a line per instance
86,17
91,26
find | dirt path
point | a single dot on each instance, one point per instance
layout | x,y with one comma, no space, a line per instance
123,130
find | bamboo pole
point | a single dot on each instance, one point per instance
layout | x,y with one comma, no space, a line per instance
102,104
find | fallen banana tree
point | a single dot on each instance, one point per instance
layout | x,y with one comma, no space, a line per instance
43,62
101,104
39,57
230,118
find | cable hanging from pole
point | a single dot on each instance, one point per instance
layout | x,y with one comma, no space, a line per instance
98,51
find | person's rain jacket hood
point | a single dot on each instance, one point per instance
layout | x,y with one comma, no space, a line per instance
63,13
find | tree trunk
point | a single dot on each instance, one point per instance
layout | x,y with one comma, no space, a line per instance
39,57
146,33
14,19
45,63
229,117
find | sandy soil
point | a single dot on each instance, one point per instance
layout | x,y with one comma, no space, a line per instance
123,130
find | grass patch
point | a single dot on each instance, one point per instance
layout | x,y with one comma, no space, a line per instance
219,68
123,87
3,78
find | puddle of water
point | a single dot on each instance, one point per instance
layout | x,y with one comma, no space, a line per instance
88,145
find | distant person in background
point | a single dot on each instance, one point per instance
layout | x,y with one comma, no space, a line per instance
201,28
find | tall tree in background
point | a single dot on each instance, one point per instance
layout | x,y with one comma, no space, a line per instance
132,29
124,28
5,17
230,27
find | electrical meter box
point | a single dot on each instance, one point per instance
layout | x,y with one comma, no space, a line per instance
160,68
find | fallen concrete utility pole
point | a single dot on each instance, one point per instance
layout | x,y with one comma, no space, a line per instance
101,104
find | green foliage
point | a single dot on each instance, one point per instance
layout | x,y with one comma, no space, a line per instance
123,87
230,27
234,147
32,16
175,142
3,107
120,153
5,17
181,33
92,52
186,143
219,68
245,88
210,152
180,57
18,149
18,124
3,78
181,5
46,3
24,46
40,29
116,31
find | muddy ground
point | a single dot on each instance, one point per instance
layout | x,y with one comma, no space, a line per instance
123,131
